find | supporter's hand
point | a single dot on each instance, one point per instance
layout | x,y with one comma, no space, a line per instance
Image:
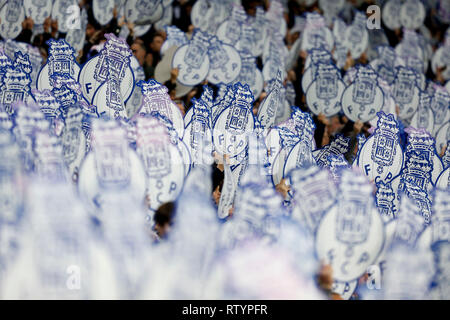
47,24
121,21
282,188
291,76
54,25
444,148
322,118
303,54
358,126
174,75
130,26
439,76
363,58
27,23
326,277
349,62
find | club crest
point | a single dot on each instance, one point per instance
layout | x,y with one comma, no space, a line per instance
233,124
384,199
103,11
356,35
351,235
405,92
38,10
162,160
412,14
14,86
251,75
111,168
229,31
73,141
192,59
95,72
224,62
339,145
424,117
155,99
61,62
50,165
325,92
363,98
143,12
316,34
12,14
313,194
382,156
270,107
50,106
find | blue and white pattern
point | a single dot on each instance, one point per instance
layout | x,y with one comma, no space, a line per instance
11,14
405,91
224,62
316,34
174,37
300,155
315,56
272,104
351,235
234,123
424,117
14,86
114,60
142,12
61,13
38,10
155,99
198,135
162,160
61,62
192,59
440,104
340,145
51,108
357,36
230,30
251,75
111,168
384,199
381,156
412,14
95,71
385,64
103,11
363,98
390,13
325,92
73,141
313,193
